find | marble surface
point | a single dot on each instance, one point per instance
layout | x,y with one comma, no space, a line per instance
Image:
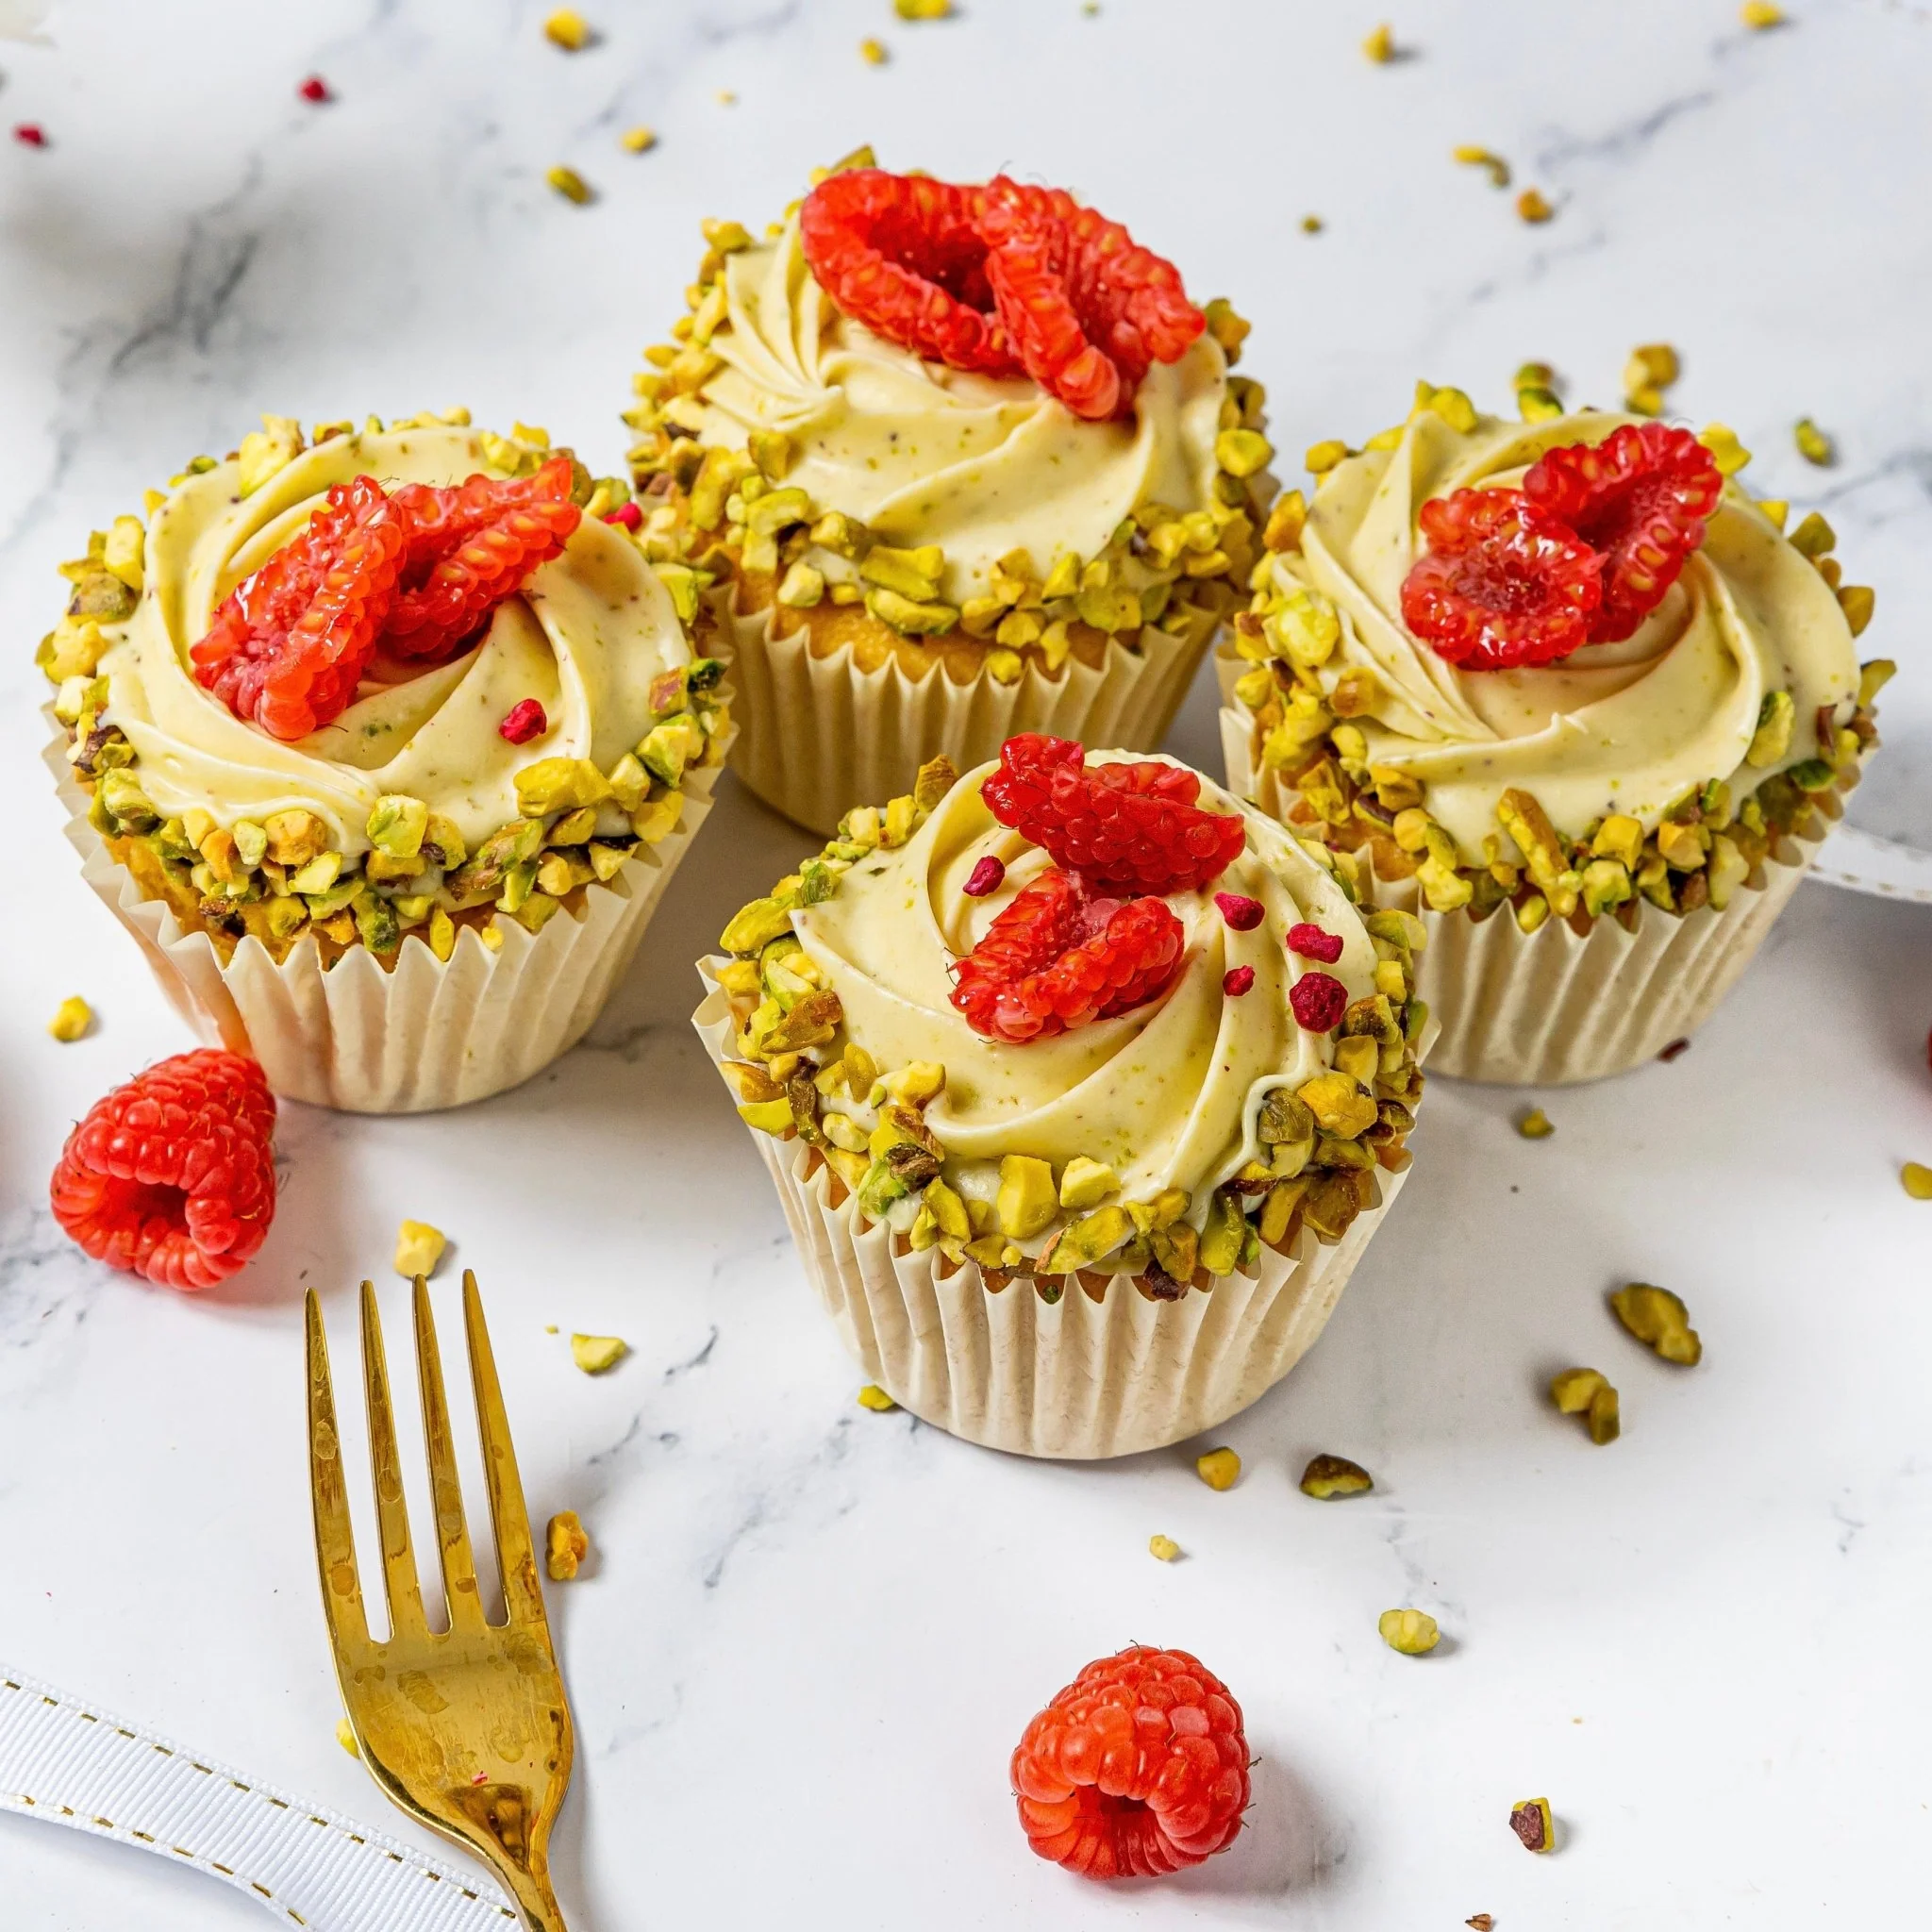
812,1634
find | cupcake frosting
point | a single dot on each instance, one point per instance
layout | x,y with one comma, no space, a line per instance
1166,1094
1622,727
923,454
584,636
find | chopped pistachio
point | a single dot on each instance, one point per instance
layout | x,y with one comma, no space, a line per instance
565,1546
570,184
1472,157
1532,207
801,587
1322,457
1657,1316
397,826
1164,1547
1338,1103
1085,1183
1242,452
912,618
638,140
1220,1468
419,1248
913,574
1328,1476
552,785
874,1398
1726,452
1027,1199
567,28
1088,1240
1772,741
1857,602
72,1019
1813,444
1414,1633
268,450
595,1354
345,1736
1916,1178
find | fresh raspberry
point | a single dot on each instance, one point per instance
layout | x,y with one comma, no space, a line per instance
470,547
1311,942
1060,955
289,645
1139,1767
988,877
171,1176
1641,498
1129,827
1241,913
1238,980
1502,584
1318,1001
525,719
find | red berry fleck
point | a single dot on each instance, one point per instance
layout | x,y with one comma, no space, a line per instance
1060,957
1238,980
315,89
1319,1002
171,1176
1129,827
1501,583
1311,942
1137,1767
30,134
523,722
1639,498
626,516
987,878
1243,914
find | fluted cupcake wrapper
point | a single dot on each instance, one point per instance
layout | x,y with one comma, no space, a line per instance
428,1034
1549,1008
1076,1378
818,736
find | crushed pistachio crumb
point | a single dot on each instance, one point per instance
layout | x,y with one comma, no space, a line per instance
595,1354
565,1546
1164,1547
1814,446
1311,224
1916,1178
1532,207
1588,1392
1759,15
1658,1317
1380,45
72,1019
1414,1633
345,1736
923,10
874,1398
1327,1477
419,1248
639,139
1472,157
568,29
1534,1125
873,52
1530,1820
1220,1468
570,184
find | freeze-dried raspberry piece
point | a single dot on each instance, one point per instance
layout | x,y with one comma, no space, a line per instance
171,1177
1139,1767
902,255
1313,943
1318,1001
1641,498
1502,584
470,547
288,644
1061,956
1131,825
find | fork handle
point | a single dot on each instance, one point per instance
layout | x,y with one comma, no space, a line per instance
535,1899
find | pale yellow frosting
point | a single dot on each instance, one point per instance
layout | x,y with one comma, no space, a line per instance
1625,727
1166,1096
925,454
584,637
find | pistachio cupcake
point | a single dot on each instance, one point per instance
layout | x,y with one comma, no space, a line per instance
384,745
1084,1088
948,463
1564,689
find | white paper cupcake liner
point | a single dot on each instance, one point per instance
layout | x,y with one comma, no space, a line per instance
818,736
1549,1008
427,1035
1075,1378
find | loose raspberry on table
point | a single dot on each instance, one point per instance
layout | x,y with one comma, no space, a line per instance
1311,942
1318,1002
1501,583
289,645
171,1177
1137,1767
1639,498
1129,827
1061,956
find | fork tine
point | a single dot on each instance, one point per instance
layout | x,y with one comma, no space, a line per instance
335,1546
452,1531
399,1575
516,1556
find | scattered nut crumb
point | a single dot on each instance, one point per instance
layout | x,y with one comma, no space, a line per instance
1677,1048
872,51
1531,206
1220,1468
550,1327
572,187
726,97
72,1019
1312,224
1813,444
1164,1547
1414,1633
1656,1316
923,10
1482,157
594,1353
492,936
1759,14
1588,1392
565,1546
1652,369
568,29
1531,1821
1335,1475
1534,1125
345,1736
419,1248
1481,1922
1322,457
1380,45
874,1398
1916,1178
636,141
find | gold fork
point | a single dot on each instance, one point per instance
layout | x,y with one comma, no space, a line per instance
466,1729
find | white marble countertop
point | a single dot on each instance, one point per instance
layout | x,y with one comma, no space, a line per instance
813,1634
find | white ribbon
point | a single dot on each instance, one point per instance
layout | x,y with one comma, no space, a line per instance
1863,862
74,1765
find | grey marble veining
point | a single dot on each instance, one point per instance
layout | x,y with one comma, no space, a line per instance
811,1635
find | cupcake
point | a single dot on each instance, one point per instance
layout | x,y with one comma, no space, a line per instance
384,747
948,463
1084,1088
1563,689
